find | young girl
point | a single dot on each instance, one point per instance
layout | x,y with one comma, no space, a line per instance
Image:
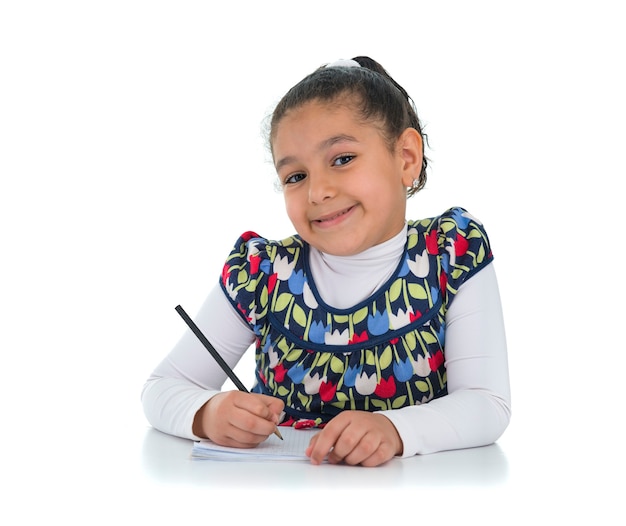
386,333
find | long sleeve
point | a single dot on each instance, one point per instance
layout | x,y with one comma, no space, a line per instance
477,409
188,376
475,412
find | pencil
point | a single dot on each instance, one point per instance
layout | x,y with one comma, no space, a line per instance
220,361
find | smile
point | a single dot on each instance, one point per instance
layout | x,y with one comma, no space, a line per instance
333,219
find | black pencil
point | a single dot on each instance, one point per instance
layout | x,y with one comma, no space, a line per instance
220,361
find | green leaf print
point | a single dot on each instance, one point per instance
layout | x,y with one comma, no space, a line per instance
304,399
242,276
417,291
283,391
359,315
322,359
283,301
410,341
336,365
380,404
395,290
399,402
422,386
385,358
298,315
341,397
446,226
283,345
457,273
293,355
263,299
428,337
481,254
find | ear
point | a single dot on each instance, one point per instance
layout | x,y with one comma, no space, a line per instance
409,148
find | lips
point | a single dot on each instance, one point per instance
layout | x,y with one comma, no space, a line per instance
327,219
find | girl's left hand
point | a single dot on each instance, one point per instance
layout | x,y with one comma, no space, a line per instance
356,437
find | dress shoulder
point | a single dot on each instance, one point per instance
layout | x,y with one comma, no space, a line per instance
252,268
460,242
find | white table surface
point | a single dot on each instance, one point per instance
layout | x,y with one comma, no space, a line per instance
127,472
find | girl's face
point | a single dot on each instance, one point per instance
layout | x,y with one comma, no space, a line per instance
344,189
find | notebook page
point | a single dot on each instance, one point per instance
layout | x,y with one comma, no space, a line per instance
292,447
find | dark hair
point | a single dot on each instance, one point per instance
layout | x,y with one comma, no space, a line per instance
379,98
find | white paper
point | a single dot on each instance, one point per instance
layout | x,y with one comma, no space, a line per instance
292,447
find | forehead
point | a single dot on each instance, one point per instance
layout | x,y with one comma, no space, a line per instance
320,116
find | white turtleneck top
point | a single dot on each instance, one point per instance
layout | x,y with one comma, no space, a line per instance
475,412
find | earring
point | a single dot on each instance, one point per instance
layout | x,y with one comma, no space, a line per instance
415,183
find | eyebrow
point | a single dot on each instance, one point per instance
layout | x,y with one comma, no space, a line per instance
324,145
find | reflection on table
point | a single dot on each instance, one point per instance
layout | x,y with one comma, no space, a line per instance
167,460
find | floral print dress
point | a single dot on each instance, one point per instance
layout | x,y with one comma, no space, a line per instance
386,352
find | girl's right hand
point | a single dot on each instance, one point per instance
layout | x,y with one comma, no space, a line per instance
238,419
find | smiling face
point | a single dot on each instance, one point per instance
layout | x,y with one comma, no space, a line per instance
344,188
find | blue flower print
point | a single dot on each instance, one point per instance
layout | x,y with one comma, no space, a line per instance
267,344
441,336
317,332
296,282
404,270
403,370
434,294
378,323
297,373
460,218
445,262
349,377
265,266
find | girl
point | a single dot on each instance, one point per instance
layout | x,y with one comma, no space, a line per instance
386,333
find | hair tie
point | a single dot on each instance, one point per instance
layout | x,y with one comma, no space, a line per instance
344,63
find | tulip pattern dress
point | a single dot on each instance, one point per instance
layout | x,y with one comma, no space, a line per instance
386,352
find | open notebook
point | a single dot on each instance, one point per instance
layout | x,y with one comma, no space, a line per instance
292,447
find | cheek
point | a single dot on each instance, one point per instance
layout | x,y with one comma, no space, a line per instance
293,209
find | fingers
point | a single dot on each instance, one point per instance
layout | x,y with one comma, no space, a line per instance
239,419
355,437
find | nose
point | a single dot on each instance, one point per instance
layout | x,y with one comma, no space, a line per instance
321,187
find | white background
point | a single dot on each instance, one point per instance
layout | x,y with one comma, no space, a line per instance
132,156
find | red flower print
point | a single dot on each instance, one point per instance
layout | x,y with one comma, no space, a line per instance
255,261
358,337
304,424
386,388
262,378
443,282
287,422
247,236
327,391
271,283
225,274
243,311
460,245
394,341
431,242
279,373
415,316
435,361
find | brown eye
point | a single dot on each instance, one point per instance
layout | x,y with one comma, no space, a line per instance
342,159
294,178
